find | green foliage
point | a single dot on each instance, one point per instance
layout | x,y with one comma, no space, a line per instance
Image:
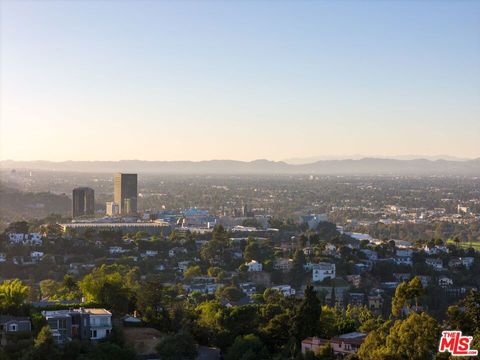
414,338
180,346
107,351
13,293
307,314
109,284
192,271
247,347
405,293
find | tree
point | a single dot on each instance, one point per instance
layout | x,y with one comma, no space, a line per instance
180,346
232,293
297,273
405,293
152,303
214,251
247,347
373,347
13,293
108,285
44,346
253,251
414,338
307,314
192,271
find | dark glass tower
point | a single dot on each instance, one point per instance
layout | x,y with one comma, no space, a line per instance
83,202
125,193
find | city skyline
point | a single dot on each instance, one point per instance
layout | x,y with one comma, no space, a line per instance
240,81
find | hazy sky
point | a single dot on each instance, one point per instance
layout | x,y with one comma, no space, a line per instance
193,80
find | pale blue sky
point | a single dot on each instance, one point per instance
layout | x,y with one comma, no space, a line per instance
193,80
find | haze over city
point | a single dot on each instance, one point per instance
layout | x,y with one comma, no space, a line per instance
152,80
238,180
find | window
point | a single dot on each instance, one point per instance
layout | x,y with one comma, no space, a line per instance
13,327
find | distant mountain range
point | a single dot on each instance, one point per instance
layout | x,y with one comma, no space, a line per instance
365,166
311,159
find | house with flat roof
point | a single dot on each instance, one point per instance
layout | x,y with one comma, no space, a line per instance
83,324
342,345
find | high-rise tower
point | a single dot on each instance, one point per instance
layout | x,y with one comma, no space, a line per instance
125,193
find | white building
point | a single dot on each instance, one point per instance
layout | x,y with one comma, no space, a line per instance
36,255
444,281
322,271
436,264
100,323
286,290
467,261
25,239
183,265
116,250
437,249
149,253
112,208
403,260
254,266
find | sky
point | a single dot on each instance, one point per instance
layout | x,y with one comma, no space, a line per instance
243,80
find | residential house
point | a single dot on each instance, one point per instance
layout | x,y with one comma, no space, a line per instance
444,281
330,249
355,280
114,250
375,303
248,288
322,271
437,249
183,265
254,266
13,325
149,253
25,239
286,290
36,255
402,276
356,299
283,264
82,324
462,261
176,251
370,254
436,264
341,345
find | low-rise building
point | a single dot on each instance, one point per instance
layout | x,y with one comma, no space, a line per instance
82,324
283,264
356,299
375,303
341,345
286,290
13,325
25,239
114,250
444,281
322,271
253,266
436,264
176,251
